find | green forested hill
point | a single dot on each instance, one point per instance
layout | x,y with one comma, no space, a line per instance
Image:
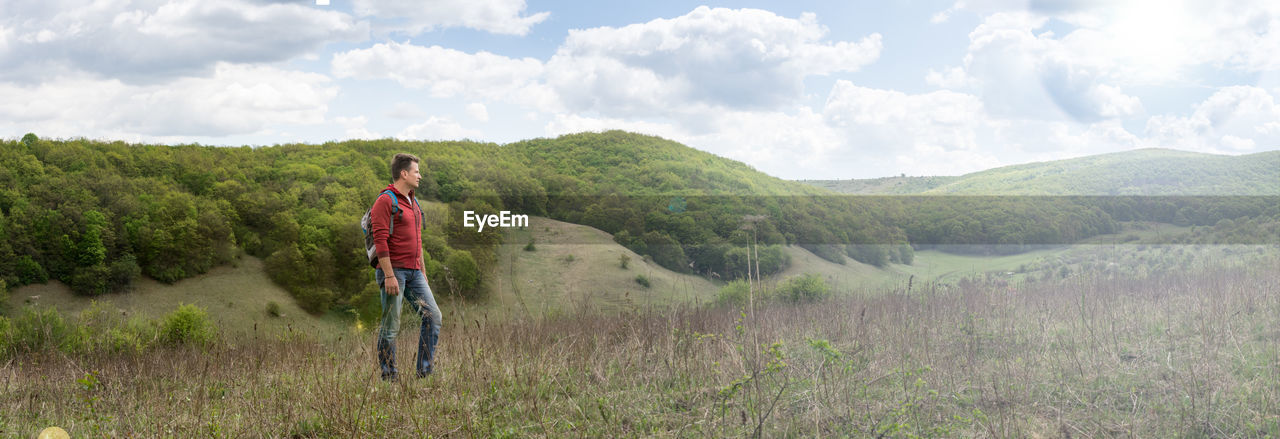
638,165
1157,172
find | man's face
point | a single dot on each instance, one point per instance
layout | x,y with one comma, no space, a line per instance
411,175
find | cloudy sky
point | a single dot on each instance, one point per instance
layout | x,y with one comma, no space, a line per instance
799,89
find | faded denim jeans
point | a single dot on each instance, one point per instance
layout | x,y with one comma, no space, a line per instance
414,289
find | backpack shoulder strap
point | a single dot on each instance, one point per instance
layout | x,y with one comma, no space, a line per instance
395,208
421,221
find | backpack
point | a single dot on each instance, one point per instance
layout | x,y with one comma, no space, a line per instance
366,224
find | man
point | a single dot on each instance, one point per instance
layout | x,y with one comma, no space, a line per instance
400,270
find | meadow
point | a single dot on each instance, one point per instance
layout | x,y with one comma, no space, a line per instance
1177,353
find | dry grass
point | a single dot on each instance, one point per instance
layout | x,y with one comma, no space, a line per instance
1173,355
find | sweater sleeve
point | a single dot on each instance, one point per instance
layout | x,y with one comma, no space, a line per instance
380,219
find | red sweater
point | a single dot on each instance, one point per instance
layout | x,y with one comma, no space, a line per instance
405,246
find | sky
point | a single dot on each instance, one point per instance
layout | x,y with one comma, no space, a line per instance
797,89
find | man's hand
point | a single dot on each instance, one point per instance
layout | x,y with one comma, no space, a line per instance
390,285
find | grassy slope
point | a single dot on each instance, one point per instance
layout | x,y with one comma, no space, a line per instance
235,296
547,281
1138,172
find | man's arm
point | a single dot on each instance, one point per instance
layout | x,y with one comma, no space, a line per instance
381,220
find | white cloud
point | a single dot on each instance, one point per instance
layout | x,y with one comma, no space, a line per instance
478,111
444,72
152,40
354,128
924,133
1160,40
237,99
736,59
1024,75
416,16
1237,119
438,128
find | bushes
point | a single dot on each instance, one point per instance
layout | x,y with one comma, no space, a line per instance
38,330
100,328
643,280
465,273
273,309
734,293
803,288
189,324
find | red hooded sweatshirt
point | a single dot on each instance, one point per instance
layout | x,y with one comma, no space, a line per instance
405,245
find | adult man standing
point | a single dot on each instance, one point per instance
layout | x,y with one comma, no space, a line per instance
400,270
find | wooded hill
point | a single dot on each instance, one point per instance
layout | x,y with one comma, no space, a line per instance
96,215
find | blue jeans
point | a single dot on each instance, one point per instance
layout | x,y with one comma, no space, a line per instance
414,289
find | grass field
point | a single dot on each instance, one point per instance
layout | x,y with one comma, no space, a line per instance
1178,354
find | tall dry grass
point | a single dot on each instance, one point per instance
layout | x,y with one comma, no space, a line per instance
1173,355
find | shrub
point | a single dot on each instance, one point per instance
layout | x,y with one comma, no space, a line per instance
36,329
642,280
530,247
465,273
30,271
124,340
273,309
314,300
123,271
189,324
90,281
4,296
804,288
734,293
623,260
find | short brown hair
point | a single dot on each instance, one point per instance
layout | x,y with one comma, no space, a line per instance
400,163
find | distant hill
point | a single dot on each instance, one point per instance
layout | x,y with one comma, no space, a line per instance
1138,172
